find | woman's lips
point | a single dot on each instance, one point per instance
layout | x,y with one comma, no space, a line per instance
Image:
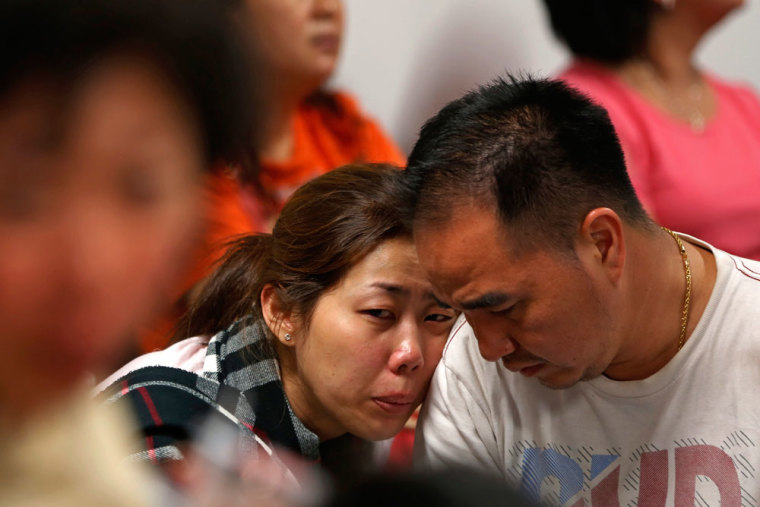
326,42
396,404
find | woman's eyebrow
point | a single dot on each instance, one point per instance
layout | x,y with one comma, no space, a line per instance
391,287
404,291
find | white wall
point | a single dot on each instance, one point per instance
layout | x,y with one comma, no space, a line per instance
404,59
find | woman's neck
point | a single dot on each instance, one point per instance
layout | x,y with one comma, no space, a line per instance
277,130
670,46
665,73
302,400
282,100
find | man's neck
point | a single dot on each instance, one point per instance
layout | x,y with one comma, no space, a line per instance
652,319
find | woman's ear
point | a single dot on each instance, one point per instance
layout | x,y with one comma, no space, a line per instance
279,322
601,236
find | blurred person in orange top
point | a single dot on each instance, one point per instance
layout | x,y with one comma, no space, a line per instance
307,130
107,121
304,131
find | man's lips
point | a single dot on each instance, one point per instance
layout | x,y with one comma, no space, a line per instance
526,369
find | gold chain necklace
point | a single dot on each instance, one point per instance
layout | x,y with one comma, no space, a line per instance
687,294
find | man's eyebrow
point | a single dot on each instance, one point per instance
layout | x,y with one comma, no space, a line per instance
487,300
439,302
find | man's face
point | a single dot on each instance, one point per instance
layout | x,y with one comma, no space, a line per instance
543,315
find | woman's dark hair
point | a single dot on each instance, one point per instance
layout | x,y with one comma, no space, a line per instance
327,226
608,31
56,43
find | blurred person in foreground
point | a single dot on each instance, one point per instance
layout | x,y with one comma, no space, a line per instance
310,341
601,359
691,139
108,118
454,486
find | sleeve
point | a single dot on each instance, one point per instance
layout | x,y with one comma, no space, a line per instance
170,407
453,428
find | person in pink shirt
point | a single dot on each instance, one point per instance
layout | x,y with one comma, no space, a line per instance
691,140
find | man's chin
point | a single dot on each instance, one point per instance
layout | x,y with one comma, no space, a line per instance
559,380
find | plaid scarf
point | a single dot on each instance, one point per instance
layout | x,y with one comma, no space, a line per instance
240,386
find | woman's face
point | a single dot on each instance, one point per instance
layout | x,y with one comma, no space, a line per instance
95,207
366,359
296,40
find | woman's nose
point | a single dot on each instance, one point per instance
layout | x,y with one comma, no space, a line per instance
407,355
329,8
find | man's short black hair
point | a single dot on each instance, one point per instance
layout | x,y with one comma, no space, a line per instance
609,31
540,153
56,42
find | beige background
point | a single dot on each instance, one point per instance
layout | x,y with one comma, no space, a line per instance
404,59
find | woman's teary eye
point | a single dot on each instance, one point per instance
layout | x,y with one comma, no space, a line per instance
379,313
438,317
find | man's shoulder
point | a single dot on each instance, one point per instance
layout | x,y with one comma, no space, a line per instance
462,360
747,270
460,343
736,276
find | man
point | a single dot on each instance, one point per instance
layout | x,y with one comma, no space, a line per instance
603,360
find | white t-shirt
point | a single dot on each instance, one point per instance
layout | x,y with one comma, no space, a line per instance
687,435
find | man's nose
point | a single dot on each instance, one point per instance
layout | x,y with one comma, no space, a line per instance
494,340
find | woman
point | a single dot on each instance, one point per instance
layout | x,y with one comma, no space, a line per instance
308,130
304,131
328,328
105,130
692,140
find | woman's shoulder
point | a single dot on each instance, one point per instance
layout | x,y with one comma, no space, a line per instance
743,95
188,355
604,87
349,131
591,78
333,103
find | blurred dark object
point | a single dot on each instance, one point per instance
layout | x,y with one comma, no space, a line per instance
450,487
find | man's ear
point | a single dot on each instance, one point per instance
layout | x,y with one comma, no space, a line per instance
601,238
279,322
